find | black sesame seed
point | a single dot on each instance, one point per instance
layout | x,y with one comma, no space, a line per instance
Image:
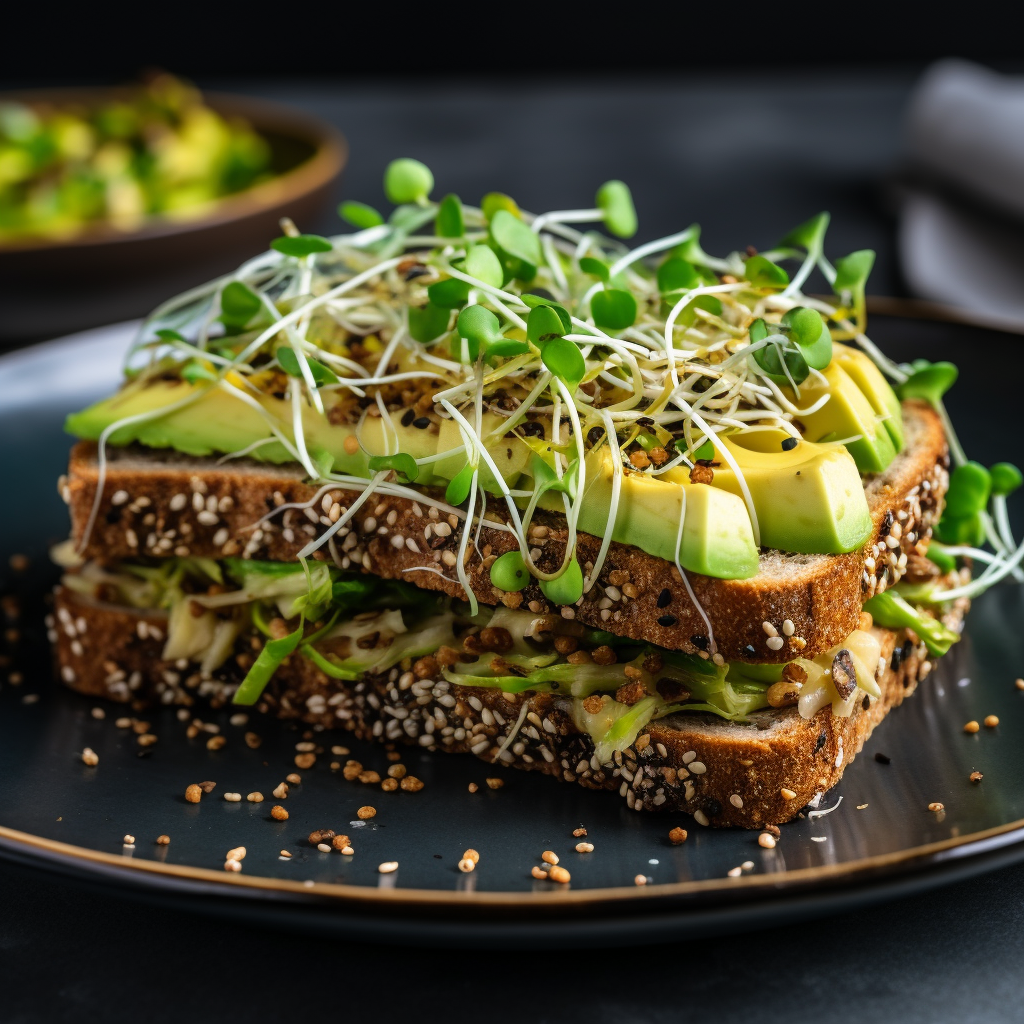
789,444
712,808
886,524
897,659
908,649
866,702
594,435
667,620
820,741
113,514
421,423
882,758
407,417
533,429
699,641
665,598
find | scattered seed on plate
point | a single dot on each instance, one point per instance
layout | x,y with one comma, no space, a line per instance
216,743
293,778
239,719
364,813
285,853
747,865
341,843
347,851
238,853
472,855
584,847
549,856
466,865
278,813
163,840
971,726
559,874
411,784
305,760
233,798
387,867
1019,683
398,771
936,806
495,783
640,880
193,794
734,872
255,798
232,865
123,723
98,713
128,840
538,872
975,777
767,840
323,848
678,836
207,787
280,792
991,721
579,833
473,787
90,757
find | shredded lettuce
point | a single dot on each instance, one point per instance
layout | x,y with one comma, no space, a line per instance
894,612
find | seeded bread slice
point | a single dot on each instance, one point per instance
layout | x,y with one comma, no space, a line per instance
723,773
161,503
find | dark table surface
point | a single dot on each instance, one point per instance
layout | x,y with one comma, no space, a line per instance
748,158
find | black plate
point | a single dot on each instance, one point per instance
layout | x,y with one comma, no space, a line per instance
59,815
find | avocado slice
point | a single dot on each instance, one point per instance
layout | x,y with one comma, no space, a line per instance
876,389
216,422
847,413
809,499
717,536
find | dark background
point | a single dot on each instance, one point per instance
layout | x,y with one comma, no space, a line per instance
747,120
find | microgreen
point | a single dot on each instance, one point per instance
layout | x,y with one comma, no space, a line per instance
449,222
613,309
478,327
239,304
290,364
407,181
400,463
533,301
482,264
677,274
459,486
509,572
1006,478
596,268
615,201
194,371
929,381
359,215
495,201
565,361
852,277
565,589
762,273
301,245
165,334
543,324
429,322
810,332
449,294
517,243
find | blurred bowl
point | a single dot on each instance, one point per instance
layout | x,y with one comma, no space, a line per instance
102,274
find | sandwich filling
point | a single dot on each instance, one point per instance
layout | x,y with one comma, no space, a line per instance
252,616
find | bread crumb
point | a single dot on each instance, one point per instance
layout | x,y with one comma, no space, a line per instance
366,812
193,794
278,813
678,836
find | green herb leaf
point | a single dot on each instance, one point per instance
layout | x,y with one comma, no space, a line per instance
505,349
852,272
290,364
596,268
564,360
709,303
428,322
533,301
400,463
482,264
808,329
480,328
301,245
1006,478
705,451
509,572
359,215
770,360
459,486
407,181
194,371
167,335
449,223
543,324
758,331
762,273
929,381
495,201
449,294
263,668
238,304
675,275
969,489
616,203
517,242
567,588
613,309
809,235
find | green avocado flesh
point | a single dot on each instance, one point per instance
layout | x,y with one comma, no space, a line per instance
849,416
808,500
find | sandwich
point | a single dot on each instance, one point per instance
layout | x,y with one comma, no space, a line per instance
469,478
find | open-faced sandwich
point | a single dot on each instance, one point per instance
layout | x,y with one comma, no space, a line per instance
642,519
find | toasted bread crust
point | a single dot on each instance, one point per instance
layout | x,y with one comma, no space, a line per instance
724,773
161,504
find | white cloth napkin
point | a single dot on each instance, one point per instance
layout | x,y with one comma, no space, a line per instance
961,235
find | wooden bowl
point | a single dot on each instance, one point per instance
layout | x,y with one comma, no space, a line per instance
52,286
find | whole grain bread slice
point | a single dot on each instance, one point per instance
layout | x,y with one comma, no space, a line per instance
161,503
724,773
